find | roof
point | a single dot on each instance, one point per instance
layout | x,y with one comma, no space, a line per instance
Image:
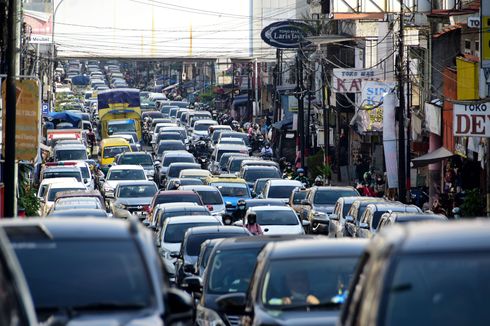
73,228
226,180
388,205
136,183
231,147
67,185
177,153
469,235
321,247
260,167
258,241
225,229
192,219
351,199
199,188
62,168
176,193
178,205
134,153
69,146
126,167
284,182
205,121
337,188
57,180
408,217
113,142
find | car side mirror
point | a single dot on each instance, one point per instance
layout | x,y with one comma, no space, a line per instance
192,284
349,219
334,217
180,307
364,226
233,303
305,222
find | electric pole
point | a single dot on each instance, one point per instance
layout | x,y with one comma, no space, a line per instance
402,191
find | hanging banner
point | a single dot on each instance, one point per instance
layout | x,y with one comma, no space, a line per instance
390,140
352,80
373,94
472,119
27,118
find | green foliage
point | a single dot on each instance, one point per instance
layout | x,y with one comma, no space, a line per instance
27,194
316,166
473,204
206,97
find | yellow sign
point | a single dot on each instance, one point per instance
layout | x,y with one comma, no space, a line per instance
485,44
467,79
27,119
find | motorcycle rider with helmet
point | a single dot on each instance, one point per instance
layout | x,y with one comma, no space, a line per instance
288,172
266,151
241,209
302,177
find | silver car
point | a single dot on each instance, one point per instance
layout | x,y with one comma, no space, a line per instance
133,197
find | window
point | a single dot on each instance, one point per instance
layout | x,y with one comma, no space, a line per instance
477,48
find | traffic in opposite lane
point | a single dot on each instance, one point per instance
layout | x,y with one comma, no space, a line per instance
162,212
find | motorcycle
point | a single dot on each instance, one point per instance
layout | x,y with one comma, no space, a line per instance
204,161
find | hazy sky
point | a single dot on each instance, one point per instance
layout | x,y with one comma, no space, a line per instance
152,28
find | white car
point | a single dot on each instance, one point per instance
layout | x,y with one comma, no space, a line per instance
87,177
46,182
201,128
172,235
276,220
211,197
280,189
48,200
119,173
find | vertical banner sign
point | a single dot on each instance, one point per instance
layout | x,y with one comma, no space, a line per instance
390,141
27,119
373,93
485,44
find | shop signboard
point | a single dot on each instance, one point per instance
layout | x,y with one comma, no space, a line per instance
373,94
286,34
471,119
352,80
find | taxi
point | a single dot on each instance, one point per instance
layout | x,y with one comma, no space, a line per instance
231,188
109,148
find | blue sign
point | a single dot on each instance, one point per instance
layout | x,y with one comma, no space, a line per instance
45,108
286,34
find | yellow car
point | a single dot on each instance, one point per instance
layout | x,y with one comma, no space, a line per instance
109,148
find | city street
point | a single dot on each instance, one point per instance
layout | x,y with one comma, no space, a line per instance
225,163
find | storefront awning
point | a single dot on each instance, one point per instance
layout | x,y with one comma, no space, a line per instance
171,87
433,157
284,122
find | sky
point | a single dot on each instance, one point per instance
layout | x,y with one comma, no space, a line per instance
152,28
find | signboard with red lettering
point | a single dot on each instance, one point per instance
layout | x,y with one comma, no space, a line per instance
471,120
351,80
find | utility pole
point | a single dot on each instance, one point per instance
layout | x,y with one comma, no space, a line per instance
249,93
402,191
301,110
10,117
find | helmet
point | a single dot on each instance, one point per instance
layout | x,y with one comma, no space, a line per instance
318,181
176,184
241,204
300,170
252,218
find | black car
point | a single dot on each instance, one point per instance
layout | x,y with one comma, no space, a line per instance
422,274
16,302
351,222
193,238
299,282
225,274
252,173
103,271
169,145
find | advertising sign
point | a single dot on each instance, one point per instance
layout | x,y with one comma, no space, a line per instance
27,118
351,80
373,94
472,119
40,39
485,43
286,34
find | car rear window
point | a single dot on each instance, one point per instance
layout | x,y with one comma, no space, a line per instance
211,197
279,217
330,197
194,242
181,198
251,175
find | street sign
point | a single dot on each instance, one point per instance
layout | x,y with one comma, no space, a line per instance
40,39
286,34
473,22
351,80
471,120
45,108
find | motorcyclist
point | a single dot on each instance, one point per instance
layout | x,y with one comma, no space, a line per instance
318,181
235,125
266,151
175,185
91,140
241,209
227,219
288,172
252,226
302,177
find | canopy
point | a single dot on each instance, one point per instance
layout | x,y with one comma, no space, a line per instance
433,157
286,121
70,117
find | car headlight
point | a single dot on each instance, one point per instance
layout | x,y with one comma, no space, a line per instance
208,317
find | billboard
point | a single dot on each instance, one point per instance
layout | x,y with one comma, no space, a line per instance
350,80
379,6
471,120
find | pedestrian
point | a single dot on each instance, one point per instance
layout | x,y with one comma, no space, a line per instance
91,140
252,226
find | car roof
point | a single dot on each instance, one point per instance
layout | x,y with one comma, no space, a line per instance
259,167
432,237
177,154
62,168
391,205
205,121
283,182
113,142
321,247
126,167
136,183
183,205
279,202
69,146
176,192
78,212
336,188
49,181
134,153
61,228
351,199
199,188
192,219
225,229
67,185
259,241
408,217
271,208
230,147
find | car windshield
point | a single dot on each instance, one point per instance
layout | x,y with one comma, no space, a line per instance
187,198
279,217
242,136
221,152
169,136
289,282
223,161
112,151
137,191
235,164
228,274
281,191
330,197
126,175
63,174
71,155
120,277
118,127
444,289
174,233
75,201
52,192
174,171
174,146
233,190
211,197
298,197
251,175
194,242
202,126
136,160
177,159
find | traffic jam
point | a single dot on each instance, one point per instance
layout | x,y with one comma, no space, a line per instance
159,211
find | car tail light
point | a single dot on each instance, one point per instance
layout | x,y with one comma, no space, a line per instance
210,207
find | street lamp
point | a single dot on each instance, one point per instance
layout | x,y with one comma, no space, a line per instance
53,47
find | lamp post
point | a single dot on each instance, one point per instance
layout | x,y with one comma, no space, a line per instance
53,48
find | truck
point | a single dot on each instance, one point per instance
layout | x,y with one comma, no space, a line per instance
119,111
